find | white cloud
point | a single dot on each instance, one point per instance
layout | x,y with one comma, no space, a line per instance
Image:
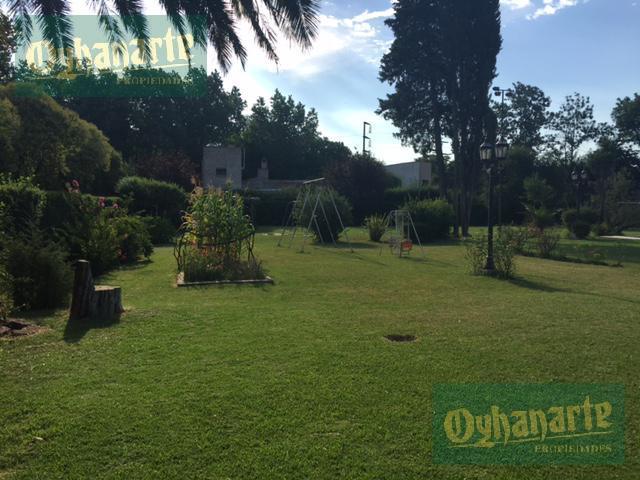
551,7
516,4
367,15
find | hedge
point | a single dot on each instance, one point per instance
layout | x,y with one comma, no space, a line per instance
148,197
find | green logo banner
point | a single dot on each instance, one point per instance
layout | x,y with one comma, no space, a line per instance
527,424
168,63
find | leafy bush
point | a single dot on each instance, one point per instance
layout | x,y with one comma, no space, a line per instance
62,207
134,241
503,256
545,242
153,197
268,208
6,293
579,223
23,203
160,229
516,237
41,276
328,228
395,198
377,226
432,218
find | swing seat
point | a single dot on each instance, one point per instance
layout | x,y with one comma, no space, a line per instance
406,245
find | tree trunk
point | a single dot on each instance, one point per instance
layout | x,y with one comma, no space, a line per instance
89,300
106,302
82,291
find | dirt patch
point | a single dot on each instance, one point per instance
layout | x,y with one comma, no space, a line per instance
18,328
401,338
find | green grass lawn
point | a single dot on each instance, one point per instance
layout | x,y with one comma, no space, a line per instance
296,380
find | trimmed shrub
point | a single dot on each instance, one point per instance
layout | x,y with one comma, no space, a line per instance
160,229
328,228
268,208
23,203
432,218
395,198
41,276
153,197
579,223
133,239
377,226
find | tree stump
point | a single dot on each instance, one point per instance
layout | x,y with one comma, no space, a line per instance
106,302
89,300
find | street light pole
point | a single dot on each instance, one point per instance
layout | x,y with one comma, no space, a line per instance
491,156
486,155
501,92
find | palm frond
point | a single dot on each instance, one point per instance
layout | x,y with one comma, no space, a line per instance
134,22
298,19
265,36
57,29
19,12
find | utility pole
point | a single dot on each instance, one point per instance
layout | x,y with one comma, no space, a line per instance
365,138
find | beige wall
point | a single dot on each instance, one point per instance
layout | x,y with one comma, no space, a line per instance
221,165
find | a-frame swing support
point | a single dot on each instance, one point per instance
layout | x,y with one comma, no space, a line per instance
402,224
310,194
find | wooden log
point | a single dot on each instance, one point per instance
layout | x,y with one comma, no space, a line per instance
106,302
89,300
82,291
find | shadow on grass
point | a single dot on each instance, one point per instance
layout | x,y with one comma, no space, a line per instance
537,286
541,287
76,329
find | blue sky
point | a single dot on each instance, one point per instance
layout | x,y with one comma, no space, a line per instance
561,46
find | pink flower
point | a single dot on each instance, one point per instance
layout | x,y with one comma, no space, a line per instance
115,205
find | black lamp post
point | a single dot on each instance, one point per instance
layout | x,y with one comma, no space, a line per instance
509,93
579,177
491,156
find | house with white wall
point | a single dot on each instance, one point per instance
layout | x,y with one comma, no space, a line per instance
412,174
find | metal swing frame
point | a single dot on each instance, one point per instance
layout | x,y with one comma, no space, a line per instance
311,193
402,224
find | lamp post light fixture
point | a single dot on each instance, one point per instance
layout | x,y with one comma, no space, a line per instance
491,157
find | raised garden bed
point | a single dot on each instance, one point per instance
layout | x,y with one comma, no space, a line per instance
262,281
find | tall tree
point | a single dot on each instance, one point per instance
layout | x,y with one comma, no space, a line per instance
522,118
572,126
209,22
626,116
442,63
285,134
7,47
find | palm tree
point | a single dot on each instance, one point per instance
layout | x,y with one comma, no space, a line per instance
212,21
